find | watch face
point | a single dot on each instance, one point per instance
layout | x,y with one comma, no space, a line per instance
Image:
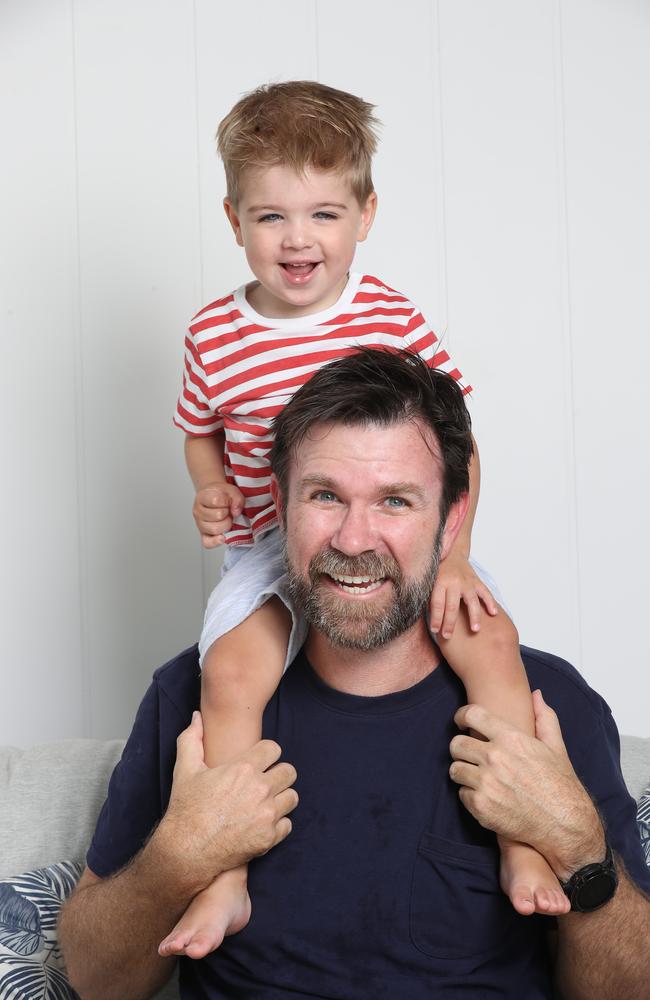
596,889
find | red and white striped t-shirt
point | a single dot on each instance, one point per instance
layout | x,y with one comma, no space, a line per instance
241,368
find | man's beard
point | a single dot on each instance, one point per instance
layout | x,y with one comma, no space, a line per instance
361,625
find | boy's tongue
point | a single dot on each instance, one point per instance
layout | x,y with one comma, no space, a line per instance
299,269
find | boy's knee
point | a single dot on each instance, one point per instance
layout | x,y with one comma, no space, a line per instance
501,632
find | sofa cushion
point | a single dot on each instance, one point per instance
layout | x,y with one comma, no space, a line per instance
635,763
31,964
50,797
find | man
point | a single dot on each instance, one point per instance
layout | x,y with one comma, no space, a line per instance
388,885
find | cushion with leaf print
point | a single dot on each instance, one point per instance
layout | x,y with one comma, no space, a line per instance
643,820
31,964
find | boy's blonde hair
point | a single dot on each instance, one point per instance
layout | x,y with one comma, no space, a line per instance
299,124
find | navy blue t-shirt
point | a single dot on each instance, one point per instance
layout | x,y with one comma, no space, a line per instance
386,887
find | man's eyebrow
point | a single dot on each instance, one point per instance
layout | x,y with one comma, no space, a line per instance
401,489
404,489
323,482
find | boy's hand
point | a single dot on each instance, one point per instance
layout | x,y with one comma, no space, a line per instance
458,582
214,509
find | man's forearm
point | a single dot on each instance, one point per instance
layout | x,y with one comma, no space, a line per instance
604,955
110,929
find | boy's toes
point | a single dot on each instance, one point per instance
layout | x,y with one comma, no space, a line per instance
551,902
523,899
202,943
174,943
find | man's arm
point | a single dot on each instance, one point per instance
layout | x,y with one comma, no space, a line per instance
526,789
217,818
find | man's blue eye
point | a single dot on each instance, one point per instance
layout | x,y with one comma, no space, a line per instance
396,502
325,496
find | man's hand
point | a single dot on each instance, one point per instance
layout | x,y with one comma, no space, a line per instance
214,510
221,817
524,788
456,582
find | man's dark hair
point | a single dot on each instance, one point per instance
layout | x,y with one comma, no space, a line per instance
383,387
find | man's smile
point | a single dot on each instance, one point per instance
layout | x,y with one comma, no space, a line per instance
357,585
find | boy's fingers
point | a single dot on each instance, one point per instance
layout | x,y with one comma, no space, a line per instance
437,608
486,597
473,606
451,615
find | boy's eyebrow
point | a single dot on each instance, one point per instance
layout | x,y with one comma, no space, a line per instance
278,208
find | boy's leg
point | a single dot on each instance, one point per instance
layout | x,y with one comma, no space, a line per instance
241,671
489,664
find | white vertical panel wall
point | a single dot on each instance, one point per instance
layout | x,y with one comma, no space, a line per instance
514,209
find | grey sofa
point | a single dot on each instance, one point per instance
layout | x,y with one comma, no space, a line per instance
50,796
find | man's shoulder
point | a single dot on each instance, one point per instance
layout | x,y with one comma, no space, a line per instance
178,682
562,686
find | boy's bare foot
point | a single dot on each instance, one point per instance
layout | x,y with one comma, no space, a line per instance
223,908
529,882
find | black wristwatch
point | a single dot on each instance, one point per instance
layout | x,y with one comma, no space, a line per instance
592,886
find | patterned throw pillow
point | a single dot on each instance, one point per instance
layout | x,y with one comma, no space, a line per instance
31,964
643,820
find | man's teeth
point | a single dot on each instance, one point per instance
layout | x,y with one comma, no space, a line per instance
352,584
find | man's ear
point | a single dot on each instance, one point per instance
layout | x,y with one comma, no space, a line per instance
455,518
233,219
277,499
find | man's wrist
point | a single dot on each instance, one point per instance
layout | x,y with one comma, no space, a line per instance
165,855
591,850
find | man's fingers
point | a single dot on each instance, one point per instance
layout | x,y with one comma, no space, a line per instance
464,774
282,830
286,802
263,755
468,749
281,776
547,726
189,746
478,718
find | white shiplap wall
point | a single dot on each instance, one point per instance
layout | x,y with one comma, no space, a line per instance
514,208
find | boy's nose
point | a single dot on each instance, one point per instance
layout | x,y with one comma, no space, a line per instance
297,238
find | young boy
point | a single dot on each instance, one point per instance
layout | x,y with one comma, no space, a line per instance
297,158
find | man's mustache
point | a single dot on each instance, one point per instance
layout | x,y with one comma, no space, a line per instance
372,564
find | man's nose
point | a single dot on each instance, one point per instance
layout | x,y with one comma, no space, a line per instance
355,533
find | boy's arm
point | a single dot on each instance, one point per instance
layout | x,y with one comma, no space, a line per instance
456,580
217,502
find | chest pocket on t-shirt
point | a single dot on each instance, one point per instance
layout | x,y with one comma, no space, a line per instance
457,907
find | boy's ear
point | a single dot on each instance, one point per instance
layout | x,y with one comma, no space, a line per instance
367,217
233,219
454,523
277,498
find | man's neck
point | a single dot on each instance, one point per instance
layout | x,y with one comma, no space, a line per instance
395,666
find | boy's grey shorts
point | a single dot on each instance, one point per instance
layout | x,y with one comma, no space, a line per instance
253,573
250,575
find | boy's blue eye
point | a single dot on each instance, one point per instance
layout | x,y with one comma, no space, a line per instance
271,217
325,215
